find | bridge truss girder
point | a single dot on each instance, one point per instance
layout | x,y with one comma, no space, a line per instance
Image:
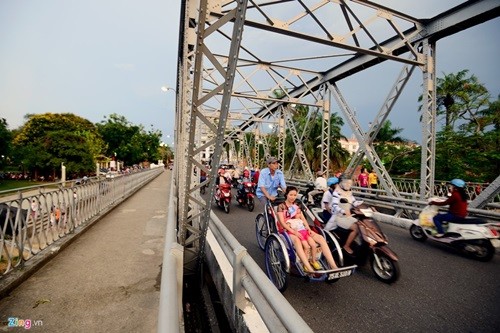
225,88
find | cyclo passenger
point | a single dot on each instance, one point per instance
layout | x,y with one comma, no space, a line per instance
341,215
304,239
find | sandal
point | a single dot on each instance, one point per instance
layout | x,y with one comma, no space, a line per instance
316,265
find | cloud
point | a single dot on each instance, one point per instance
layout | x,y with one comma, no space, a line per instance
125,67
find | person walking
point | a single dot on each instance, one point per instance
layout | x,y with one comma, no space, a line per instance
373,179
363,178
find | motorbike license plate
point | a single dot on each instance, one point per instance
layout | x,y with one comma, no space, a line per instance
336,275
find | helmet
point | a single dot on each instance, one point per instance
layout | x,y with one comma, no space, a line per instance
346,184
457,182
332,181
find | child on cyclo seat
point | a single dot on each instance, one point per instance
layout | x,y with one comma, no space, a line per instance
304,239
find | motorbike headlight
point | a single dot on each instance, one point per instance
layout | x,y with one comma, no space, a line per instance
227,194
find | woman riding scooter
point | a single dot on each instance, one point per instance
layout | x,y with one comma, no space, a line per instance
341,214
458,206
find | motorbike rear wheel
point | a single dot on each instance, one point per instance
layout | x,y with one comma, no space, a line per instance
388,272
480,249
417,233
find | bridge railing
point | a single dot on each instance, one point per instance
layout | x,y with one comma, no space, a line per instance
409,189
247,279
33,219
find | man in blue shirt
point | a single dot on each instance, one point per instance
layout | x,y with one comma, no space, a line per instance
269,180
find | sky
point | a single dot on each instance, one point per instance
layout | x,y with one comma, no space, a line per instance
98,57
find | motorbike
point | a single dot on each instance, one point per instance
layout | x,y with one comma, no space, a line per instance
316,198
371,244
246,194
222,197
474,237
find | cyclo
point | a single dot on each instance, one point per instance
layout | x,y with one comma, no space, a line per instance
281,259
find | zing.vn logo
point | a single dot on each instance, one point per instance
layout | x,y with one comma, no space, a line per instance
25,323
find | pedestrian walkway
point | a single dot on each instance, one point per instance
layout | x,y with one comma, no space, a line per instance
107,280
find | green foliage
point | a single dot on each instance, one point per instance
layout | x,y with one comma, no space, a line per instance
47,140
468,145
472,157
5,142
129,143
312,138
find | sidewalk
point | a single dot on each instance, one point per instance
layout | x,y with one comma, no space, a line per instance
107,280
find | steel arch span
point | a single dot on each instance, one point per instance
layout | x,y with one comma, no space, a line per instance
243,66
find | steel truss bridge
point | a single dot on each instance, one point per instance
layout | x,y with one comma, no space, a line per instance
245,65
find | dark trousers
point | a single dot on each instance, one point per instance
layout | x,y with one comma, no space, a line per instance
440,218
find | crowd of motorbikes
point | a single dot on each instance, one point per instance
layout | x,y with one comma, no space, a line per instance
245,191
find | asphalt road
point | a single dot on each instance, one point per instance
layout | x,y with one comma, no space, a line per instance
439,289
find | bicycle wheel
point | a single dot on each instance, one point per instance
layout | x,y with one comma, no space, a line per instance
277,262
261,230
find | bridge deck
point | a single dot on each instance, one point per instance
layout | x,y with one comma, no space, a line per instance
107,280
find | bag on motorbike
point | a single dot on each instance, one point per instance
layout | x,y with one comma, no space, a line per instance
426,216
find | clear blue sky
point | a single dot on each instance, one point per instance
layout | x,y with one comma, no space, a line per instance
97,57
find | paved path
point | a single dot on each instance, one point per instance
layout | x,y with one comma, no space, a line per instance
107,280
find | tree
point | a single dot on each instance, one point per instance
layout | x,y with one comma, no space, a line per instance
47,140
128,142
460,98
468,144
312,138
392,149
5,142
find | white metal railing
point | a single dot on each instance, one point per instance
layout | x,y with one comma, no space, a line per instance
170,315
248,278
33,219
406,185
408,189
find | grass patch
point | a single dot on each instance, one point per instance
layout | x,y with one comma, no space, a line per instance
9,184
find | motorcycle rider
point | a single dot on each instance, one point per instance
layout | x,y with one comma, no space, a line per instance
245,179
326,201
341,213
222,178
320,186
458,206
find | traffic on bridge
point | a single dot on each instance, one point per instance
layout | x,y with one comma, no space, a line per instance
246,93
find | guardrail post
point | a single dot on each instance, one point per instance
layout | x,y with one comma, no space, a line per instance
238,273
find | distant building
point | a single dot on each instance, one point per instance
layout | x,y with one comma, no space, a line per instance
351,144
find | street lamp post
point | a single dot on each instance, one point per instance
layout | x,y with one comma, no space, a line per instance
165,89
